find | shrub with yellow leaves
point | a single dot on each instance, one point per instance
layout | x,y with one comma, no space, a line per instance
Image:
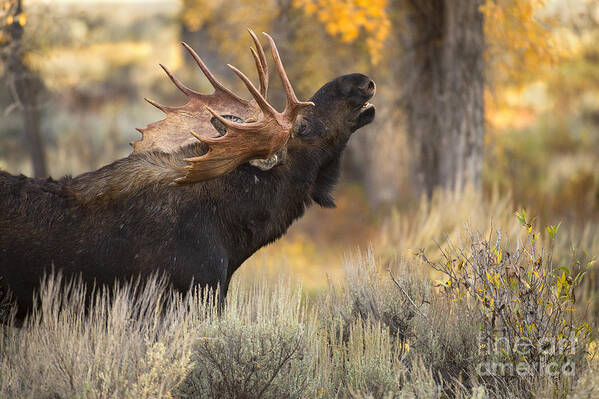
525,303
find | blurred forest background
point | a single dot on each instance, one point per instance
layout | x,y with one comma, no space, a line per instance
483,106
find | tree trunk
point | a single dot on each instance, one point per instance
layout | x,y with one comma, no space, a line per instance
33,140
442,78
26,89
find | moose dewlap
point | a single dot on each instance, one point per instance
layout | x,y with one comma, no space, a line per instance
205,188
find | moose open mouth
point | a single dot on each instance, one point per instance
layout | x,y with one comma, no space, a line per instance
366,111
366,115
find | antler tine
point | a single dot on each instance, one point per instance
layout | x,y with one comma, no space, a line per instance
161,107
292,101
260,73
264,105
211,78
186,90
261,64
206,140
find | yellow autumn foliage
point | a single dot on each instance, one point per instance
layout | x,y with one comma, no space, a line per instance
9,15
519,45
224,14
225,22
346,19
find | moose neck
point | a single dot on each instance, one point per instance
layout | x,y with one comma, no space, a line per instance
256,207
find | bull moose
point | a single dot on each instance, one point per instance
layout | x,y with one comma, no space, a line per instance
206,187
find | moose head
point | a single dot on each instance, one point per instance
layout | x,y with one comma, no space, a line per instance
236,130
206,187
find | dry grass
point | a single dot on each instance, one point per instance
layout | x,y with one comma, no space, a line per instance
364,335
134,342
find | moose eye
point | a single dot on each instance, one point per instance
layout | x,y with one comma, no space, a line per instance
301,128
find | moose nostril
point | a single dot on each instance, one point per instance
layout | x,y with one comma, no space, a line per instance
368,88
371,86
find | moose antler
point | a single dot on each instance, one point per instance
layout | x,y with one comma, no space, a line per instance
265,132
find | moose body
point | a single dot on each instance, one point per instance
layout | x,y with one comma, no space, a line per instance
128,218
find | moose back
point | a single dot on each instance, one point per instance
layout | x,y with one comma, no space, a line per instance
203,190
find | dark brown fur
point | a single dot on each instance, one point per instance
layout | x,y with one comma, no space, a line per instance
127,218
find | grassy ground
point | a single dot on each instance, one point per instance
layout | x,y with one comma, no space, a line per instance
476,315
